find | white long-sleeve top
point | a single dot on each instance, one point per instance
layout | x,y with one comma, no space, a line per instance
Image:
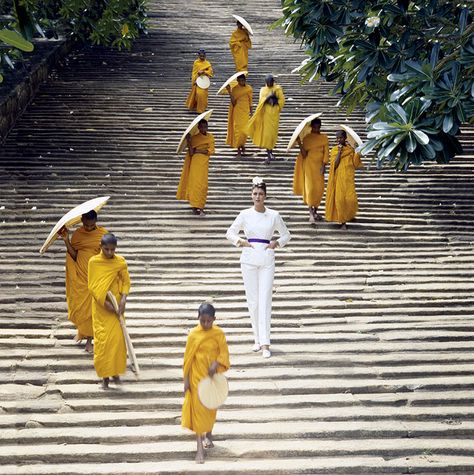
258,225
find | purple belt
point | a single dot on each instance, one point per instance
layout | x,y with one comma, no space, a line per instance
263,241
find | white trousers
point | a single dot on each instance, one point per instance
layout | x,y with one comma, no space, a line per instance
258,283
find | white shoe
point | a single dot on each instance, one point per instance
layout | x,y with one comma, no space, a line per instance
266,353
256,347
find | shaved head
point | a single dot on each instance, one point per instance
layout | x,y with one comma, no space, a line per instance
108,239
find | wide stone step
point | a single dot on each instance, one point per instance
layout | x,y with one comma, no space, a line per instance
372,359
421,464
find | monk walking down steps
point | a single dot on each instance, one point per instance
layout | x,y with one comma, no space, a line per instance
202,71
84,243
240,109
206,354
310,165
193,184
341,196
108,272
239,44
263,125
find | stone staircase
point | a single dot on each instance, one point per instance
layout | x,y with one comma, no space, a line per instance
372,329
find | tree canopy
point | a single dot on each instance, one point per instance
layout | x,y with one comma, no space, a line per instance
409,64
113,23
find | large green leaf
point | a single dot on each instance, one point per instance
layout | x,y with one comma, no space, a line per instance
13,38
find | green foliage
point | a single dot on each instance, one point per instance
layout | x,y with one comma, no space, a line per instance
410,64
14,39
114,23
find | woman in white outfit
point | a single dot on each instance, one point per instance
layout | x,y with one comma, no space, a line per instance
257,260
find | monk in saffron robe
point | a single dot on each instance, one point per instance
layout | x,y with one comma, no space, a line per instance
197,98
240,109
108,271
240,44
310,166
193,183
206,354
341,196
84,243
263,125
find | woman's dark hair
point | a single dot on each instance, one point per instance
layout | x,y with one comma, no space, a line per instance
108,239
206,309
262,186
202,121
316,122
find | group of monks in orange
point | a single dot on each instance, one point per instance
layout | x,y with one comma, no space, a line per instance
94,272
96,279
262,126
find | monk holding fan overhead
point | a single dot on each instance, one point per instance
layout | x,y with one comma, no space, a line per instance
308,179
202,71
341,196
84,243
240,44
240,109
108,272
193,184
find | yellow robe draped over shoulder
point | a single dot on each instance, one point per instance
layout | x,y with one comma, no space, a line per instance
203,347
110,353
193,183
239,115
79,300
197,98
240,44
307,179
341,196
263,125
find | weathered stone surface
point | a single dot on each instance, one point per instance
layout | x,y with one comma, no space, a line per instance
372,366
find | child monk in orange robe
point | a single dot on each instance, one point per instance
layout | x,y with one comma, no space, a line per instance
206,353
108,272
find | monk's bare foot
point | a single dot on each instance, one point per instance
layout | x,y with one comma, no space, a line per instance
117,380
200,450
89,348
201,213
343,227
208,443
318,217
105,383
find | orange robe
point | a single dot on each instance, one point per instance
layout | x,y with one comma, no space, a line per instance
110,353
239,115
197,98
193,183
341,196
79,300
240,44
203,347
263,125
307,179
